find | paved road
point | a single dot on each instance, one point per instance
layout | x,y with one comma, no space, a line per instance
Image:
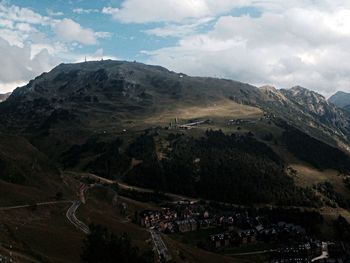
74,220
71,212
161,248
324,254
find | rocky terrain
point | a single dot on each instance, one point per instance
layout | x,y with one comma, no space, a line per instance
341,99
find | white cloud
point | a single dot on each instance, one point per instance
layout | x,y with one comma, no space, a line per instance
82,11
26,15
178,30
140,11
9,87
110,11
69,31
21,65
305,46
50,12
103,34
26,47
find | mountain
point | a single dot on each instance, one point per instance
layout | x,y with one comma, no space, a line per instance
341,99
4,97
103,116
93,95
319,108
310,112
103,122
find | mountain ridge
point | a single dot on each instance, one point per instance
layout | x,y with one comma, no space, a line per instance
341,99
85,92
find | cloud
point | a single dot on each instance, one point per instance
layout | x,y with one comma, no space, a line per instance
21,65
178,30
50,12
27,46
103,34
306,46
140,11
82,11
26,15
69,31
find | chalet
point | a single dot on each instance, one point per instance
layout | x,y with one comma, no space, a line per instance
221,240
149,218
187,225
206,223
247,236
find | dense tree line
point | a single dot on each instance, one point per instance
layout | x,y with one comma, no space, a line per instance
101,246
221,167
105,157
328,191
343,229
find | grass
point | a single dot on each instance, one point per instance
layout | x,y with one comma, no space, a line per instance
222,109
44,234
186,253
100,210
309,176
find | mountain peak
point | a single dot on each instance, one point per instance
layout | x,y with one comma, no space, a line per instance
340,99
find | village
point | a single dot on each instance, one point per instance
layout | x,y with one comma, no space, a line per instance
236,228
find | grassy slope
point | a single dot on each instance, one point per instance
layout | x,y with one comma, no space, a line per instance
27,174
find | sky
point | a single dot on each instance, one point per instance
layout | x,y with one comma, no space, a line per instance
261,42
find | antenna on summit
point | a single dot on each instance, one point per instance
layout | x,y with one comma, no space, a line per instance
85,59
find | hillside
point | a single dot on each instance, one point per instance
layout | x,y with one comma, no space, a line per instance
97,95
86,116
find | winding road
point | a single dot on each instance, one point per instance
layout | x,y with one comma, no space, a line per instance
324,254
71,212
71,216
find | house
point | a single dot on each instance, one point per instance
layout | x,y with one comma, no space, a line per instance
187,225
221,240
149,218
247,236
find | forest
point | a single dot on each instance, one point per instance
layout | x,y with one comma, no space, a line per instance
228,168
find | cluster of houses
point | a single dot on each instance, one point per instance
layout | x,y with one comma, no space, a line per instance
253,230
311,251
238,228
303,252
182,217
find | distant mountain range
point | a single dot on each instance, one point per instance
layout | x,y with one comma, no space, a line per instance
341,99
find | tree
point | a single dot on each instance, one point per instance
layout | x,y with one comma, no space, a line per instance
101,246
59,196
